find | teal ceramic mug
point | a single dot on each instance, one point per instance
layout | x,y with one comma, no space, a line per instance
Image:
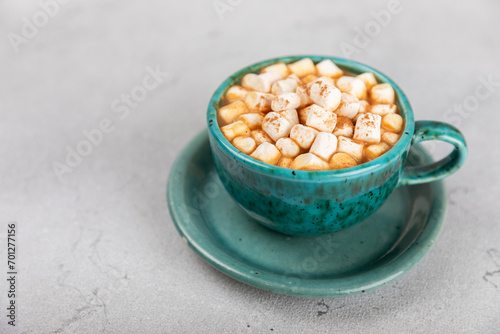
297,202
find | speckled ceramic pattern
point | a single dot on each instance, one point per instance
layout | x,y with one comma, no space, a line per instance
321,202
432,130
366,256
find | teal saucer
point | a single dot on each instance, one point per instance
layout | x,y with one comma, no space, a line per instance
366,256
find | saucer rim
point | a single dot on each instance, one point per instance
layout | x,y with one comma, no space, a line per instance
316,288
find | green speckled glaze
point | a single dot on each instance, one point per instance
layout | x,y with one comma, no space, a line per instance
321,202
369,255
432,130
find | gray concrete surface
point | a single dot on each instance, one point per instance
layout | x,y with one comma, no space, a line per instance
97,251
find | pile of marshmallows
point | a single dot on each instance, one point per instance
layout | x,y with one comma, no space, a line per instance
335,126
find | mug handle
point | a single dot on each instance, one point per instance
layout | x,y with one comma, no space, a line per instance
434,130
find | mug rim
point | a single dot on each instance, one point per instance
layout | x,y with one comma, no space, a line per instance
345,64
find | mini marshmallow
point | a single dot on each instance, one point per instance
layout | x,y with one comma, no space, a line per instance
390,138
245,144
303,115
279,68
270,77
296,78
369,79
260,82
236,93
285,162
325,94
267,152
383,94
253,81
355,118
260,137
288,85
252,120
260,102
235,129
309,161
305,100
393,122
376,150
342,160
330,80
321,119
363,106
319,80
349,146
276,126
349,106
302,67
309,78
344,127
324,145
230,112
303,135
285,101
382,109
290,115
328,68
288,147
368,128
353,86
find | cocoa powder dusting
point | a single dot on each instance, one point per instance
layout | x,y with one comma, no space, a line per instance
339,160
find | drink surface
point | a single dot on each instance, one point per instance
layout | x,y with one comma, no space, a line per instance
309,116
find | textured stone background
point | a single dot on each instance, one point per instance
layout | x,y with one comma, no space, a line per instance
97,249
